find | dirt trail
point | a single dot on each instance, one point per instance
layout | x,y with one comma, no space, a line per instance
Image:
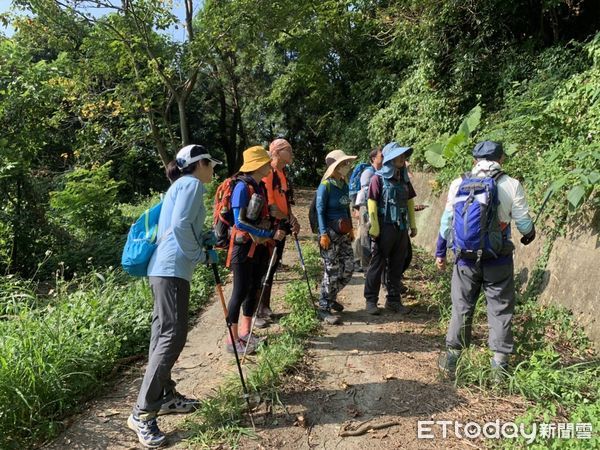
103,424
377,370
381,369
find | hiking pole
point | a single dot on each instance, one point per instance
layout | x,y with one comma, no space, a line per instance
312,299
282,226
527,239
237,358
546,198
260,299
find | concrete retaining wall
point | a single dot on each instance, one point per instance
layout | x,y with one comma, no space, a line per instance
572,275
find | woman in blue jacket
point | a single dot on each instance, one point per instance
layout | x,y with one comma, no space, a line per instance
180,249
335,233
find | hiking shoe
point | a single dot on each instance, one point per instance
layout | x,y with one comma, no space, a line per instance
147,431
499,371
326,316
179,405
337,306
448,361
254,339
260,322
396,307
240,346
265,313
403,289
373,309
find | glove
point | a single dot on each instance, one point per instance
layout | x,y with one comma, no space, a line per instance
324,242
529,237
374,229
440,262
212,257
209,239
294,224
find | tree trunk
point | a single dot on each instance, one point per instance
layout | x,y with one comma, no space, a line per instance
183,124
230,151
233,143
162,151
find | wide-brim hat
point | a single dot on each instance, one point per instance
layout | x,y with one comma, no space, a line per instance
192,153
254,158
334,159
393,150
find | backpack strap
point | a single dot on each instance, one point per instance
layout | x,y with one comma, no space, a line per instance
251,188
498,174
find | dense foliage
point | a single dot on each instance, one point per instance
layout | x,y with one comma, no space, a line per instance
96,97
84,92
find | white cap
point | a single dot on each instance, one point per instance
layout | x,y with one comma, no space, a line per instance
192,153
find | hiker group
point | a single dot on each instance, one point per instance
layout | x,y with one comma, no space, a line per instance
253,216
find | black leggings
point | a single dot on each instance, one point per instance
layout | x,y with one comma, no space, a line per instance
247,277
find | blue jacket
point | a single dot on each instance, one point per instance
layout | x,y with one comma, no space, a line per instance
178,249
333,202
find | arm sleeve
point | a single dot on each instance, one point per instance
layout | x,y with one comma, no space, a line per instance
188,210
374,194
239,202
520,211
365,178
411,206
411,214
411,191
372,208
322,200
446,220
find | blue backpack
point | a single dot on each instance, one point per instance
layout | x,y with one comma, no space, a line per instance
141,242
476,228
354,183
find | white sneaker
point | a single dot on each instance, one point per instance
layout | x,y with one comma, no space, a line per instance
147,431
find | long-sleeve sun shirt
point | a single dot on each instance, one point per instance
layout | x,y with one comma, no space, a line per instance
179,250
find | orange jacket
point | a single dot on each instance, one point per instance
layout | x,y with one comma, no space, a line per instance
277,190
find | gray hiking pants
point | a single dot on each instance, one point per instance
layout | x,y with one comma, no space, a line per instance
168,336
499,290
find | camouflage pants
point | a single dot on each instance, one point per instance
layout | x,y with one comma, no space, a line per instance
338,260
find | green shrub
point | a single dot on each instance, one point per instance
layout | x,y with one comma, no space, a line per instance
56,351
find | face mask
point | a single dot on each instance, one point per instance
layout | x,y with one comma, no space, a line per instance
343,170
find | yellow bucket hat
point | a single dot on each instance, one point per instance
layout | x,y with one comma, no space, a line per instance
254,158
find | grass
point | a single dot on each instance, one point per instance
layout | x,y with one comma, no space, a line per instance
554,366
220,420
57,350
